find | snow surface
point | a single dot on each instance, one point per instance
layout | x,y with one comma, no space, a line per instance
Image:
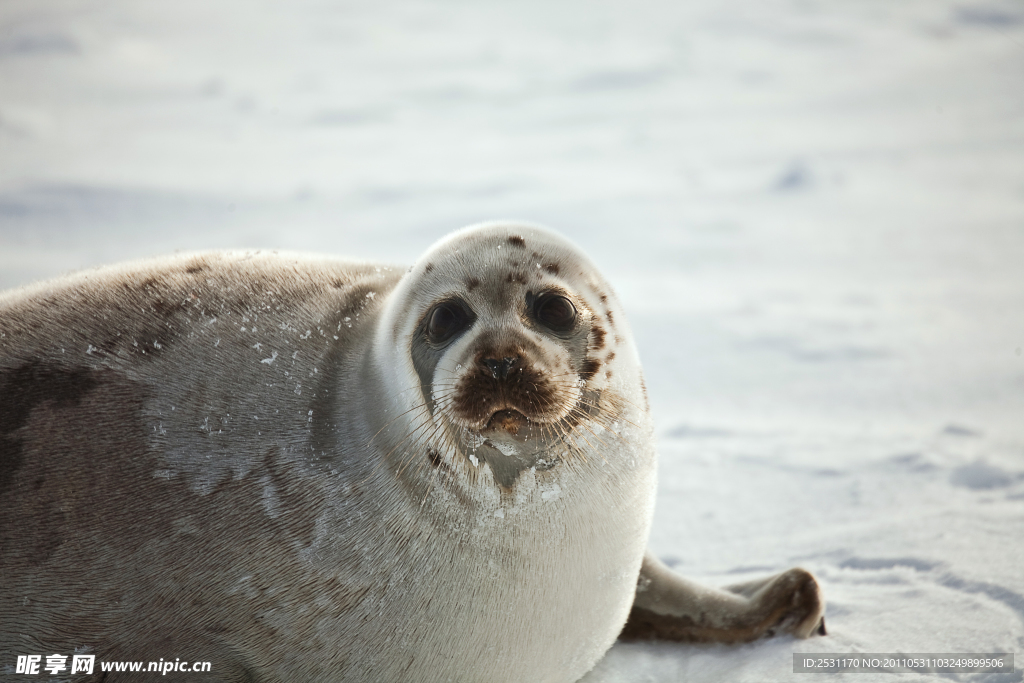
813,212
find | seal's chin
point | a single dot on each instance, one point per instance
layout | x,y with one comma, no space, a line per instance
509,421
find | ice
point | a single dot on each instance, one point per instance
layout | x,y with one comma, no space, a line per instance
811,211
507,448
550,492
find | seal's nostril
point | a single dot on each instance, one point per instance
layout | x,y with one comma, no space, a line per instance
495,366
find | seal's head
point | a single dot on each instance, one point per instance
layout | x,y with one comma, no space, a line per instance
509,336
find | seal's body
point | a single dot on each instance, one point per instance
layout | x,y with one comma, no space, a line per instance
316,470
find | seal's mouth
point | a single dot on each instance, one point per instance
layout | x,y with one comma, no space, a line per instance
508,420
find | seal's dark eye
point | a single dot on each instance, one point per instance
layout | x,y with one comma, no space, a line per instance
555,312
446,320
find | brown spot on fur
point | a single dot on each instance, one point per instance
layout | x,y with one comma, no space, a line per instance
516,277
196,267
165,308
429,267
597,338
79,433
23,389
551,268
611,320
589,368
516,241
472,283
434,457
604,298
337,284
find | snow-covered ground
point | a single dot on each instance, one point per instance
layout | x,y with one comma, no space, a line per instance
813,211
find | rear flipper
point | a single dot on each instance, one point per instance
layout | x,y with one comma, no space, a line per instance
669,607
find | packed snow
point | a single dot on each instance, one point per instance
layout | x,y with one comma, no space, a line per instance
812,210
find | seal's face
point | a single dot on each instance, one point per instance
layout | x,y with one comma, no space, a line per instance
517,364
509,337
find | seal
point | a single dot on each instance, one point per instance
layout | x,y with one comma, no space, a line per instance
303,469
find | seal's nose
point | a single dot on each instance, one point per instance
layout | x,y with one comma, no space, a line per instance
499,368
